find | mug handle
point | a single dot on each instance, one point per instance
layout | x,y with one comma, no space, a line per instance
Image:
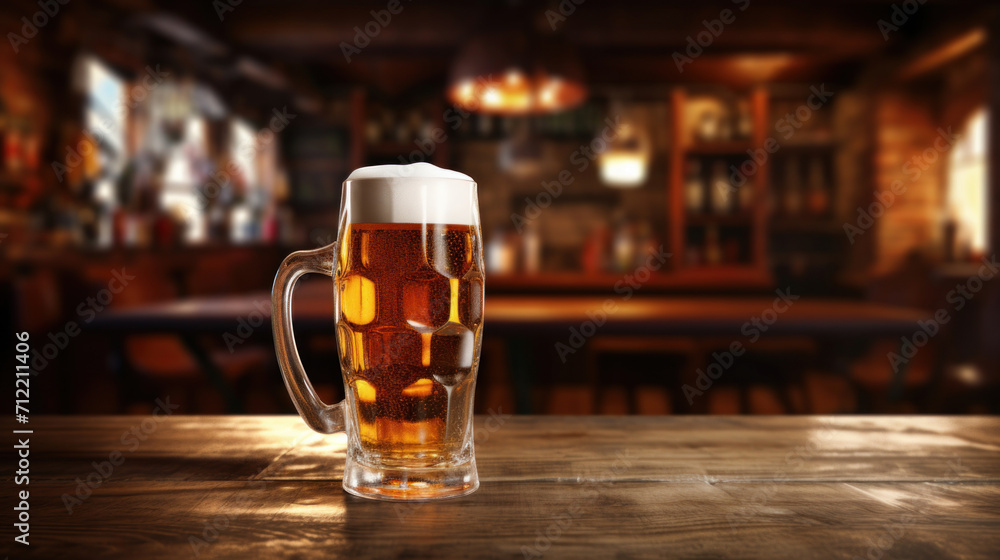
322,417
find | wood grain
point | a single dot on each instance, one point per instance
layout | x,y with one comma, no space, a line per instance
602,487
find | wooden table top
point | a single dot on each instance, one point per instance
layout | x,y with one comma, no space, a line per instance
666,315
552,487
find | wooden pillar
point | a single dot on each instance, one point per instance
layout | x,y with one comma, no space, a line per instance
989,350
675,186
993,144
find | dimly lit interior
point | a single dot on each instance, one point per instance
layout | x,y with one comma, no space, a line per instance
687,208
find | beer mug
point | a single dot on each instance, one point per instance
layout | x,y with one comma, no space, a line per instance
408,291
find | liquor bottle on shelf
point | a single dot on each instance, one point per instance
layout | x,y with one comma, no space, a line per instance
484,126
726,125
623,246
12,148
694,188
819,196
594,249
713,250
722,190
708,127
793,188
531,249
744,121
500,253
646,245
373,130
745,195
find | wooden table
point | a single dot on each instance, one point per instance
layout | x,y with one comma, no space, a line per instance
552,487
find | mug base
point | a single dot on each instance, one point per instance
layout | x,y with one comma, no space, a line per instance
410,484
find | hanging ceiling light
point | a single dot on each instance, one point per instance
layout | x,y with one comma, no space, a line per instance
510,71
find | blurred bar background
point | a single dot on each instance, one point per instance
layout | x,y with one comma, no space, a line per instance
154,152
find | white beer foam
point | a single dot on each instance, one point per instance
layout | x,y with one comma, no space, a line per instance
418,193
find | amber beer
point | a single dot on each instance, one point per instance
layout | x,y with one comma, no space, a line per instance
409,322
408,292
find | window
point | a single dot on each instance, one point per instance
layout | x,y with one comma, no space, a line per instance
104,120
967,179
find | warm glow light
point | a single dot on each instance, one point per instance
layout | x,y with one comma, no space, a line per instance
832,435
547,96
466,91
624,168
761,67
550,92
967,177
968,374
516,93
492,97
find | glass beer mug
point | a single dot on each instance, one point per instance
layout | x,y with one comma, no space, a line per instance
408,290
